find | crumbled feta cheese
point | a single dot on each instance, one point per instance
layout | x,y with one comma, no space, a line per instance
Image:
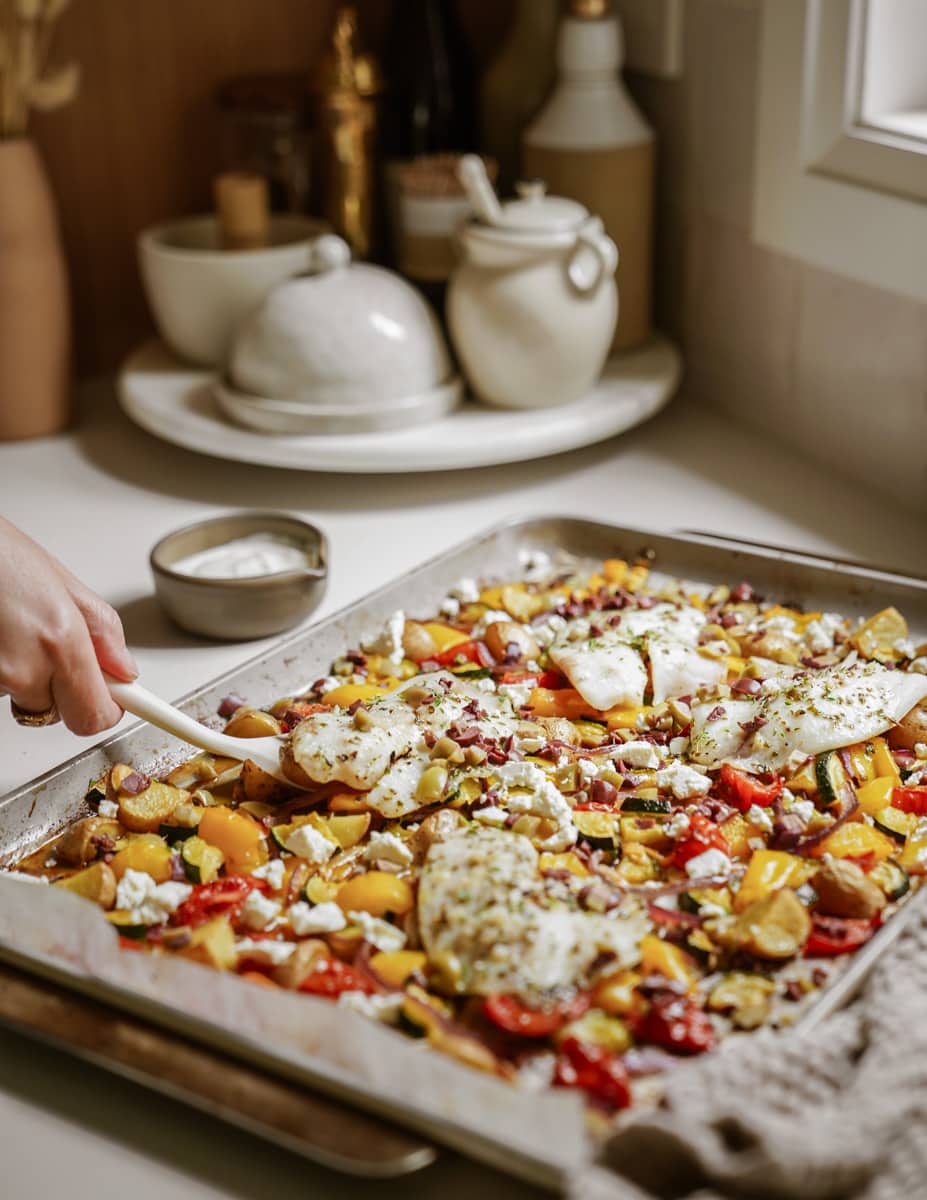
328,684
806,893
546,631
309,843
529,743
388,847
148,902
450,607
588,769
678,824
259,910
802,808
388,643
315,918
706,909
384,1008
756,843
677,746
108,809
517,694
466,591
542,800
641,755
378,932
711,862
760,818
133,889
272,873
820,632
683,781
490,815
263,950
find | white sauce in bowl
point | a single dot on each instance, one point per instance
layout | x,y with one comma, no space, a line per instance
245,558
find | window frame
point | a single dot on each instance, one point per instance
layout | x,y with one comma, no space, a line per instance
836,193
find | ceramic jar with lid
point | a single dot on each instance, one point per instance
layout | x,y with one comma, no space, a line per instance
532,307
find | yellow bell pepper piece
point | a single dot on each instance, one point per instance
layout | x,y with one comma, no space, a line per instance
914,856
884,762
145,852
615,571
637,577
562,862
770,870
804,780
875,795
862,762
240,838
349,693
737,832
491,597
630,717
562,702
736,665
855,840
444,636
663,958
377,893
395,966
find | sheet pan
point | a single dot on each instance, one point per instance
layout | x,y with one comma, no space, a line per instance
32,814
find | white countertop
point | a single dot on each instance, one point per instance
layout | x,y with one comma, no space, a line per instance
100,497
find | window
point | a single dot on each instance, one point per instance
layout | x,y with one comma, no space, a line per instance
841,174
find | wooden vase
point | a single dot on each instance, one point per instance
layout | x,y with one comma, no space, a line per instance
35,328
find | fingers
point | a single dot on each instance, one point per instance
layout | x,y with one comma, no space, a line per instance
105,629
77,684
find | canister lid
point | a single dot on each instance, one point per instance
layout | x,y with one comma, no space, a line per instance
536,212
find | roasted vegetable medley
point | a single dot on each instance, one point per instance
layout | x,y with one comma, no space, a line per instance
577,825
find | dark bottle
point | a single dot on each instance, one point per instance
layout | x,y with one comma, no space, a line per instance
431,92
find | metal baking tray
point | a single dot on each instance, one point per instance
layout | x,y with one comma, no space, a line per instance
33,814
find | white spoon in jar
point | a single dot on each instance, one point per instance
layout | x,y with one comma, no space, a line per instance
264,752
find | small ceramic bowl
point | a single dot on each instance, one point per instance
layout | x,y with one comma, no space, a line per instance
199,293
237,609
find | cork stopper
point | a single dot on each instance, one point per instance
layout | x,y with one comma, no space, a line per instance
243,209
589,10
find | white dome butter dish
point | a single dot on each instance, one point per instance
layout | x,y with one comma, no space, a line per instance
347,348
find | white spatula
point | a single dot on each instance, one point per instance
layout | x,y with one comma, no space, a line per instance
264,752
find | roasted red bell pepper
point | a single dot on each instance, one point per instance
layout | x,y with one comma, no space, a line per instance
510,1014
330,977
676,1023
837,935
743,791
600,1073
910,800
464,652
704,835
209,900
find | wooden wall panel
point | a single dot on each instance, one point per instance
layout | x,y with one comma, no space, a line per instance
141,143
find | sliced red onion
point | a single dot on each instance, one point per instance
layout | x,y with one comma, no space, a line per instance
673,918
231,704
850,805
135,783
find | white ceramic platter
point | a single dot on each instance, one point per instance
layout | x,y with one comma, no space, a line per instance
175,401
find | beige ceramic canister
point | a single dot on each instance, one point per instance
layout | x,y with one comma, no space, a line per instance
591,143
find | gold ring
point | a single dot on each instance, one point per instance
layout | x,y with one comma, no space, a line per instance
34,720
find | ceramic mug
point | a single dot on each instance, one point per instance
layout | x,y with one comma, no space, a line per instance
199,293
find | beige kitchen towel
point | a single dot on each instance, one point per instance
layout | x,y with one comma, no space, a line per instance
837,1111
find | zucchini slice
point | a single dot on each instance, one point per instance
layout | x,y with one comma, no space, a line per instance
126,925
597,827
201,861
892,878
895,823
830,776
641,804
182,823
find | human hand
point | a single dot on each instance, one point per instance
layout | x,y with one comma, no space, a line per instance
57,637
